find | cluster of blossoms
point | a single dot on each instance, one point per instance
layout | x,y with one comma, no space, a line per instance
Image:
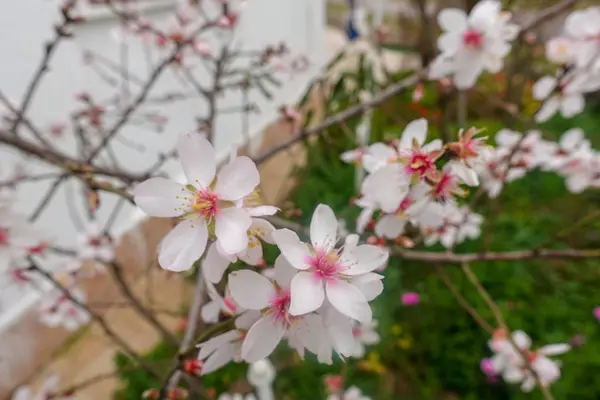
471,44
572,157
314,296
408,190
577,52
406,185
517,363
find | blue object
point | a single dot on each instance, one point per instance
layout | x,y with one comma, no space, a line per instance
351,31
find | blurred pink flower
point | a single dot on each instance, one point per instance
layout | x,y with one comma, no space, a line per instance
487,367
410,298
597,313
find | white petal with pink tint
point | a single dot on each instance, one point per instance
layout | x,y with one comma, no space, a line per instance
237,179
262,339
349,300
161,197
250,289
307,293
183,246
197,158
292,248
231,229
323,228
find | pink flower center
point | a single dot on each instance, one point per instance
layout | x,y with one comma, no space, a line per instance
206,203
95,242
230,304
443,188
3,237
279,307
420,163
473,39
355,331
325,265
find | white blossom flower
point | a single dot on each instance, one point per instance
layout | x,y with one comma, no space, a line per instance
17,237
226,347
472,44
353,393
509,362
460,224
364,334
93,244
208,205
57,310
47,389
584,27
562,95
325,271
217,260
256,292
560,50
389,185
218,305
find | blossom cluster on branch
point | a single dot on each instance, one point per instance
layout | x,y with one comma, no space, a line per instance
316,295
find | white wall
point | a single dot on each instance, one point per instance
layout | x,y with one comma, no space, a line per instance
26,24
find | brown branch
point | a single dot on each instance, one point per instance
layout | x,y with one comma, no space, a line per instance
350,112
43,67
97,318
462,301
117,273
497,313
65,162
548,14
454,258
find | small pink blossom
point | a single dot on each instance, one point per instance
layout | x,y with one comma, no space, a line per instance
597,313
410,299
487,367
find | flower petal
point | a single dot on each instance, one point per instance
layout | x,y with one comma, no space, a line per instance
237,179
323,228
554,349
183,246
161,197
263,229
261,339
348,300
414,131
295,251
197,158
214,264
362,259
543,87
306,292
452,19
250,289
370,285
262,211
284,272
221,357
231,229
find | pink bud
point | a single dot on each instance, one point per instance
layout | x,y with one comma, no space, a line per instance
410,298
597,313
334,383
487,367
418,93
